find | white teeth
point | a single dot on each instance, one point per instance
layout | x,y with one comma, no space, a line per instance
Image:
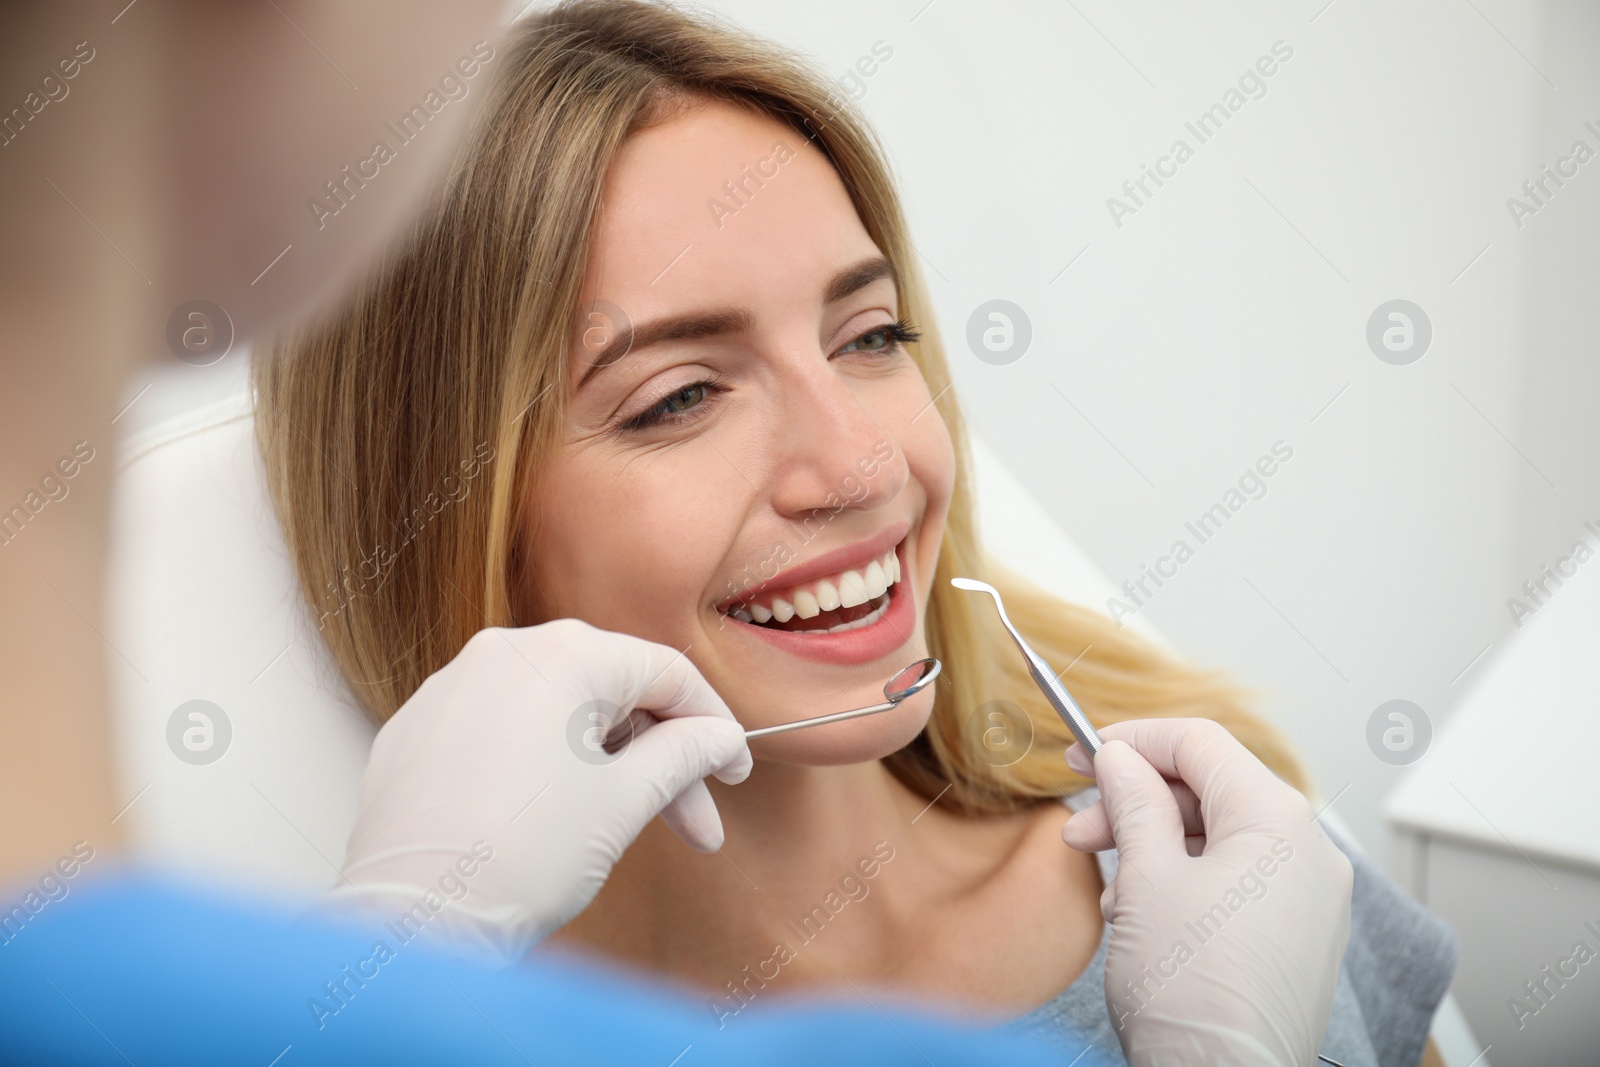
852,590
827,596
876,580
865,620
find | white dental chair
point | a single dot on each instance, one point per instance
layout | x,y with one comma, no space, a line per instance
257,786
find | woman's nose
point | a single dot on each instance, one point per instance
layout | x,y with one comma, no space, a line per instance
834,453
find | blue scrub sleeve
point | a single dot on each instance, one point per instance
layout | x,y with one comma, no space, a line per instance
134,968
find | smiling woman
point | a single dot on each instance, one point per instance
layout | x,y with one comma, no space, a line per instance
756,367
756,459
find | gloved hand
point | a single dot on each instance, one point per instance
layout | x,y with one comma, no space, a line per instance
489,801
1230,910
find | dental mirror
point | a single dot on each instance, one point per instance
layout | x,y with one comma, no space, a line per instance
907,682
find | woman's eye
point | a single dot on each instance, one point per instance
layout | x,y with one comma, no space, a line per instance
679,405
886,338
684,399
872,342
693,400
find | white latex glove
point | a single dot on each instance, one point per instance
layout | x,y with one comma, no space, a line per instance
1230,910
489,790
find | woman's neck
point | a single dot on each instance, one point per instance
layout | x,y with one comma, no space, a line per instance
824,871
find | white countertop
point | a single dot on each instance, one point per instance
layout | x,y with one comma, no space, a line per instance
1517,766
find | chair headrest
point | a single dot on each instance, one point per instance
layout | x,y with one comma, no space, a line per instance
203,606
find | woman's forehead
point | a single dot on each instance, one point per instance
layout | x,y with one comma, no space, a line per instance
717,200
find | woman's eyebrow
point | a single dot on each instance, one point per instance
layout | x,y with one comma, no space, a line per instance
729,320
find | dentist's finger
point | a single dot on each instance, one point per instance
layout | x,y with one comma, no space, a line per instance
663,681
635,723
1090,829
1144,817
693,816
663,762
1108,901
1108,896
691,812
1228,780
1078,759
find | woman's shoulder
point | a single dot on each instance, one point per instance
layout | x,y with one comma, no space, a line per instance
1400,959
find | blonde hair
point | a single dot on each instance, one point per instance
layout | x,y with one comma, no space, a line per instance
401,433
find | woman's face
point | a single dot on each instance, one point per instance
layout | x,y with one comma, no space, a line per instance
761,480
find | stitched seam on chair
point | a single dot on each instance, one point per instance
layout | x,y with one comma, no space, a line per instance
143,446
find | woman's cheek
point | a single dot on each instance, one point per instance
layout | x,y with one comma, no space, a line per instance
931,455
669,556
920,432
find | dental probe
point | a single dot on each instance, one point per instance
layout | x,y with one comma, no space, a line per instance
908,682
1043,676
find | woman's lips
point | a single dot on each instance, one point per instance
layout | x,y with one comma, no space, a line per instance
861,645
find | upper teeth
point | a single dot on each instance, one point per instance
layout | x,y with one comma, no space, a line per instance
845,590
